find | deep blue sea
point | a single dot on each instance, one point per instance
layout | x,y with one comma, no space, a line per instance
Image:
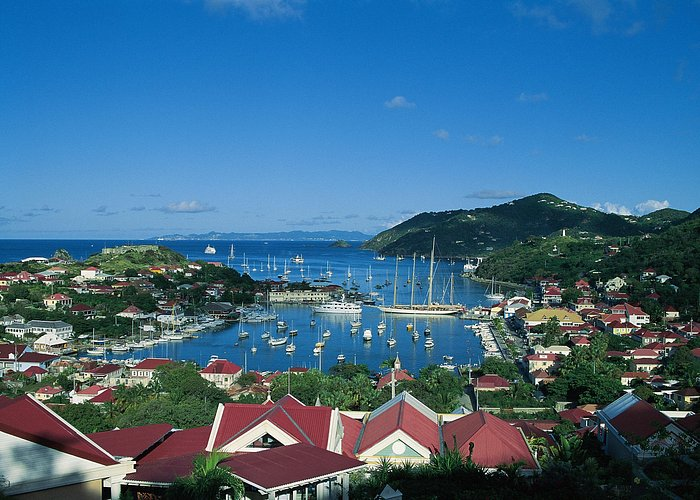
449,334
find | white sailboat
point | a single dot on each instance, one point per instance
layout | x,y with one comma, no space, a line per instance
429,308
491,292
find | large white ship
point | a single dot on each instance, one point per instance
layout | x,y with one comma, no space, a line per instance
338,307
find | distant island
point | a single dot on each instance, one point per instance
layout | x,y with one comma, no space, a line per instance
341,244
278,236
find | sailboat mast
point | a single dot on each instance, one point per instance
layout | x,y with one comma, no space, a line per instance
413,277
396,278
430,279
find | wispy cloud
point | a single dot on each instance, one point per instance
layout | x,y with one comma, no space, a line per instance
138,209
399,102
262,9
543,15
187,207
526,97
635,28
598,11
442,134
648,206
492,194
494,140
145,195
585,138
612,208
103,211
43,210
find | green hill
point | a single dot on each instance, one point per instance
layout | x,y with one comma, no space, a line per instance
119,259
481,231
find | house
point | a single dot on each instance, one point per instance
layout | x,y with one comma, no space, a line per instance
489,441
619,328
142,373
634,314
648,274
627,378
490,382
685,398
632,429
132,443
400,375
56,300
671,313
60,328
83,310
35,372
130,312
551,296
9,356
578,416
645,364
547,362
51,343
564,316
83,395
108,374
44,457
559,350
401,430
615,285
252,428
222,373
48,392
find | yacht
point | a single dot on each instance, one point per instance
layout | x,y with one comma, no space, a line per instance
210,250
429,344
298,259
338,307
367,335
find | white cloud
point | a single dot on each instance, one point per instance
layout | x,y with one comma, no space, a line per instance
495,140
263,9
648,206
441,133
525,97
399,102
543,15
584,138
612,208
188,207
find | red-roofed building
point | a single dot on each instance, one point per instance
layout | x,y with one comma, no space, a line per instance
47,392
551,296
56,300
221,373
671,313
490,382
686,397
489,441
83,310
43,456
399,376
142,373
248,428
107,374
130,312
132,443
645,364
35,372
631,429
627,377
86,394
542,361
578,416
401,430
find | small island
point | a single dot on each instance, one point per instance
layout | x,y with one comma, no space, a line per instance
340,244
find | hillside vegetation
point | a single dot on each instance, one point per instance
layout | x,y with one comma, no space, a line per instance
481,231
136,259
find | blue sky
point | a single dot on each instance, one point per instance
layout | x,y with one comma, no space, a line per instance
130,119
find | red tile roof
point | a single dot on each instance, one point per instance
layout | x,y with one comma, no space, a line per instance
292,465
640,421
104,369
495,441
177,443
575,415
9,350
490,381
106,396
151,363
47,389
221,366
399,376
400,414
132,442
28,419
36,357
306,424
33,371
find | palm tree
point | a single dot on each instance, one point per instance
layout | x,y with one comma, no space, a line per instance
207,480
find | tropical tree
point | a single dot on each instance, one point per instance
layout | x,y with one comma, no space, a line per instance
208,480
